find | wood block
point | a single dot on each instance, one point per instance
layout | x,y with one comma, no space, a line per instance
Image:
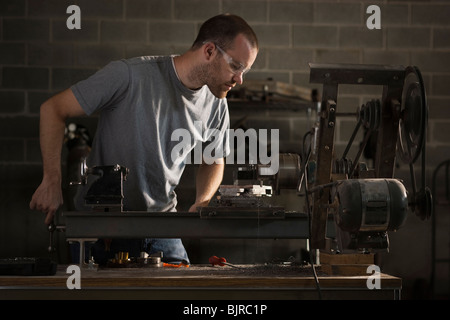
345,269
353,258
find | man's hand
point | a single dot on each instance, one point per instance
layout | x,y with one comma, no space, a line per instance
194,207
47,198
209,177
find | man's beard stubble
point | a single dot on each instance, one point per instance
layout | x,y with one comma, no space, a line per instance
208,74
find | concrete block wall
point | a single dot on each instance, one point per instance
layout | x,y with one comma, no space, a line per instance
40,56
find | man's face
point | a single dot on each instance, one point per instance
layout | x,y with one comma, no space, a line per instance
228,67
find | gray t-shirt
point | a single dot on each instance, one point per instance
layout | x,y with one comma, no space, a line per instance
141,103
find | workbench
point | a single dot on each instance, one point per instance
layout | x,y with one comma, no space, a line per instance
199,282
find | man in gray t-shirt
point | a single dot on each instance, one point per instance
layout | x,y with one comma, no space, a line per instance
142,102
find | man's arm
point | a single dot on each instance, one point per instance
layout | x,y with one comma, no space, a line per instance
208,181
53,114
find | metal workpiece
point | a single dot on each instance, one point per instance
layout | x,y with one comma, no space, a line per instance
212,224
287,176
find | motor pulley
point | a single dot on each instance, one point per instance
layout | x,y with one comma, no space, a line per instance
412,137
413,116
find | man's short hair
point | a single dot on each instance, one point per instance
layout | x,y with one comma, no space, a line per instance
222,30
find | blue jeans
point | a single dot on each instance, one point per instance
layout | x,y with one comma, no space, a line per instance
173,249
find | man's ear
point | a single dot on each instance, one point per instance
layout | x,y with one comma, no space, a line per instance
208,50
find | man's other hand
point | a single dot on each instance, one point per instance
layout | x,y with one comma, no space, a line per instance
47,198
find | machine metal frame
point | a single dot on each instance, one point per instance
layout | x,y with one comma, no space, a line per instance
331,76
401,108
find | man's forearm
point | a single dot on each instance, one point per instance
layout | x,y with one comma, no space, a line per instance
48,196
54,113
51,129
209,178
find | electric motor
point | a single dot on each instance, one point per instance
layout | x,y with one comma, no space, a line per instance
374,205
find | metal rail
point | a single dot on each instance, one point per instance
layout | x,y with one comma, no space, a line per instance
212,223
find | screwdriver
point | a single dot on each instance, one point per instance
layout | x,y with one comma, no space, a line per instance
214,260
183,263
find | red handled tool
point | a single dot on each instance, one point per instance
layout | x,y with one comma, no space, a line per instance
216,261
183,263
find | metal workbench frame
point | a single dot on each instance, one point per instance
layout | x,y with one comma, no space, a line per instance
213,224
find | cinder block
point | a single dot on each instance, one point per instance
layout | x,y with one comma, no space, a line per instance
63,78
434,61
251,11
315,36
25,78
441,86
48,8
14,8
87,33
280,123
391,14
98,55
261,60
441,38
273,35
385,57
12,101
25,29
358,36
441,132
290,59
337,56
302,79
148,9
438,108
12,150
407,37
181,33
199,10
430,14
123,31
20,175
35,99
101,8
291,12
345,129
50,54
33,151
264,75
338,13
12,53
301,124
19,127
348,105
